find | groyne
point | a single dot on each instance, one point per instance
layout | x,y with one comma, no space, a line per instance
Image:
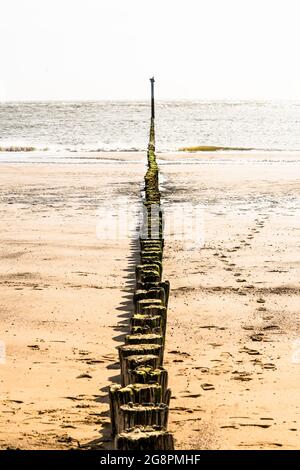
139,406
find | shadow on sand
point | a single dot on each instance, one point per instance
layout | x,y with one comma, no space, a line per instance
105,441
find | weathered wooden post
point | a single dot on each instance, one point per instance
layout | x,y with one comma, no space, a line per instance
145,438
152,98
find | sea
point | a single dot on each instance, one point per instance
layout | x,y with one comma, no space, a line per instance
63,128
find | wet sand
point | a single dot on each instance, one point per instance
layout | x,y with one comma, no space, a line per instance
233,320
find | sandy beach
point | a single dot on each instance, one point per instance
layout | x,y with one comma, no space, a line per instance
233,338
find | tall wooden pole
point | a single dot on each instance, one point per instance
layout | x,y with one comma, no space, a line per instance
152,98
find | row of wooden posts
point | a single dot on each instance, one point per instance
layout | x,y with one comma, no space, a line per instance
139,407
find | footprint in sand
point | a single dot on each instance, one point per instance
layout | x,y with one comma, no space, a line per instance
182,353
241,375
269,366
251,352
271,327
264,426
190,395
229,427
203,370
257,337
207,386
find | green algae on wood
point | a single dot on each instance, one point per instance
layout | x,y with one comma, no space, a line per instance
150,338
133,393
132,362
135,414
144,438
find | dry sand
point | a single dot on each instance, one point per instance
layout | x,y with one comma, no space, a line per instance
234,313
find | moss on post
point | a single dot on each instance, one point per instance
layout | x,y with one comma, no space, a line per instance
152,323
132,362
145,302
147,375
133,393
149,338
138,350
144,438
134,414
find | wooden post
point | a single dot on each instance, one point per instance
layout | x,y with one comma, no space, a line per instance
149,375
132,362
138,350
157,310
151,323
165,285
144,438
151,293
150,338
148,414
133,393
152,98
145,302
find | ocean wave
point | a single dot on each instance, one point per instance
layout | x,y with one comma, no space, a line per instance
13,148
113,149
110,126
61,149
214,148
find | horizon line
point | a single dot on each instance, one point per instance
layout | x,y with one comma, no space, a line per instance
145,100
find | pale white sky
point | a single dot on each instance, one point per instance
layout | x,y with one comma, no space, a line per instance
108,49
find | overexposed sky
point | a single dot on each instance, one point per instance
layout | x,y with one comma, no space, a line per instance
108,49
